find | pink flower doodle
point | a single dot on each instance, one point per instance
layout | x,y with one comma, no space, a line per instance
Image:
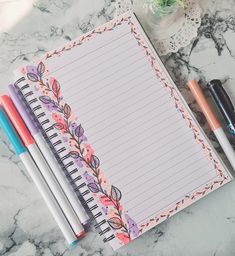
83,154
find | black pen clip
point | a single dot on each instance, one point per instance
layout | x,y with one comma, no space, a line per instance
223,94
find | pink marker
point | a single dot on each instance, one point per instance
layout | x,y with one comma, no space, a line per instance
37,178
48,155
42,165
213,121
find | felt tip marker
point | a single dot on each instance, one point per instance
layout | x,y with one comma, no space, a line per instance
37,178
223,102
48,155
30,144
213,121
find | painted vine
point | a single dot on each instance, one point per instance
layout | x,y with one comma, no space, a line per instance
76,134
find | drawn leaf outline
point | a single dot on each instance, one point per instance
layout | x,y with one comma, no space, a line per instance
74,154
79,131
55,87
32,77
58,126
116,194
41,68
67,110
94,161
115,223
45,99
93,187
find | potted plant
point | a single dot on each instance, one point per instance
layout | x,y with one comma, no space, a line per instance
164,12
164,7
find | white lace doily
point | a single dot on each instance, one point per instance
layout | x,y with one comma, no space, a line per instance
170,37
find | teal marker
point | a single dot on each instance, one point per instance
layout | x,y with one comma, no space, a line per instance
11,133
37,178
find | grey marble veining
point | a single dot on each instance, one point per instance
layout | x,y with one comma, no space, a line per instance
206,228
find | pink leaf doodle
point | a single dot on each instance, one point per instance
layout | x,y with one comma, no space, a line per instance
123,237
105,201
115,223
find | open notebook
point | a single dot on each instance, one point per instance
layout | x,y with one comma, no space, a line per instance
118,125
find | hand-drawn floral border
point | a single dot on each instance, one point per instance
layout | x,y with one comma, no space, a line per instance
222,178
125,228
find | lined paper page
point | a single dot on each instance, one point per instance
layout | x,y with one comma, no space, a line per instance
144,146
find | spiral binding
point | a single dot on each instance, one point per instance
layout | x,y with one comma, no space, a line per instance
62,155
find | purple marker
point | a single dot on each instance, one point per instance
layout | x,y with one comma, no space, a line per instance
48,155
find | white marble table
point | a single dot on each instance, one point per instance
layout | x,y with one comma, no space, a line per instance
28,28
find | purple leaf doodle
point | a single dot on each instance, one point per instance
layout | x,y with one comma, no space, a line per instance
93,187
132,226
51,106
83,138
73,126
83,153
74,154
88,177
40,69
79,131
45,99
95,162
32,77
78,162
32,70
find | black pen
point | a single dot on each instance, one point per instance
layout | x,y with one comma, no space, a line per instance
224,103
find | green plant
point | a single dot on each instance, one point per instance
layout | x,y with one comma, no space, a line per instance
168,3
164,7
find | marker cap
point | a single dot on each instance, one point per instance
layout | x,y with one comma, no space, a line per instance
16,120
11,133
22,110
202,102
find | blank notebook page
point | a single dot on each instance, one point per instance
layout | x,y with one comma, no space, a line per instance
143,143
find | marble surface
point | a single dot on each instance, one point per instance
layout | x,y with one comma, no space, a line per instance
28,28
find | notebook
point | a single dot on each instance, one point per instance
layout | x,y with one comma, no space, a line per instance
121,130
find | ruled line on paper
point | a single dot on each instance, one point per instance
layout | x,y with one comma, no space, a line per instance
95,61
116,113
151,197
126,100
92,88
104,69
149,135
141,165
148,166
141,151
103,62
97,81
98,94
117,128
91,85
135,87
132,180
164,172
111,100
172,203
131,122
126,116
133,129
92,51
157,203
